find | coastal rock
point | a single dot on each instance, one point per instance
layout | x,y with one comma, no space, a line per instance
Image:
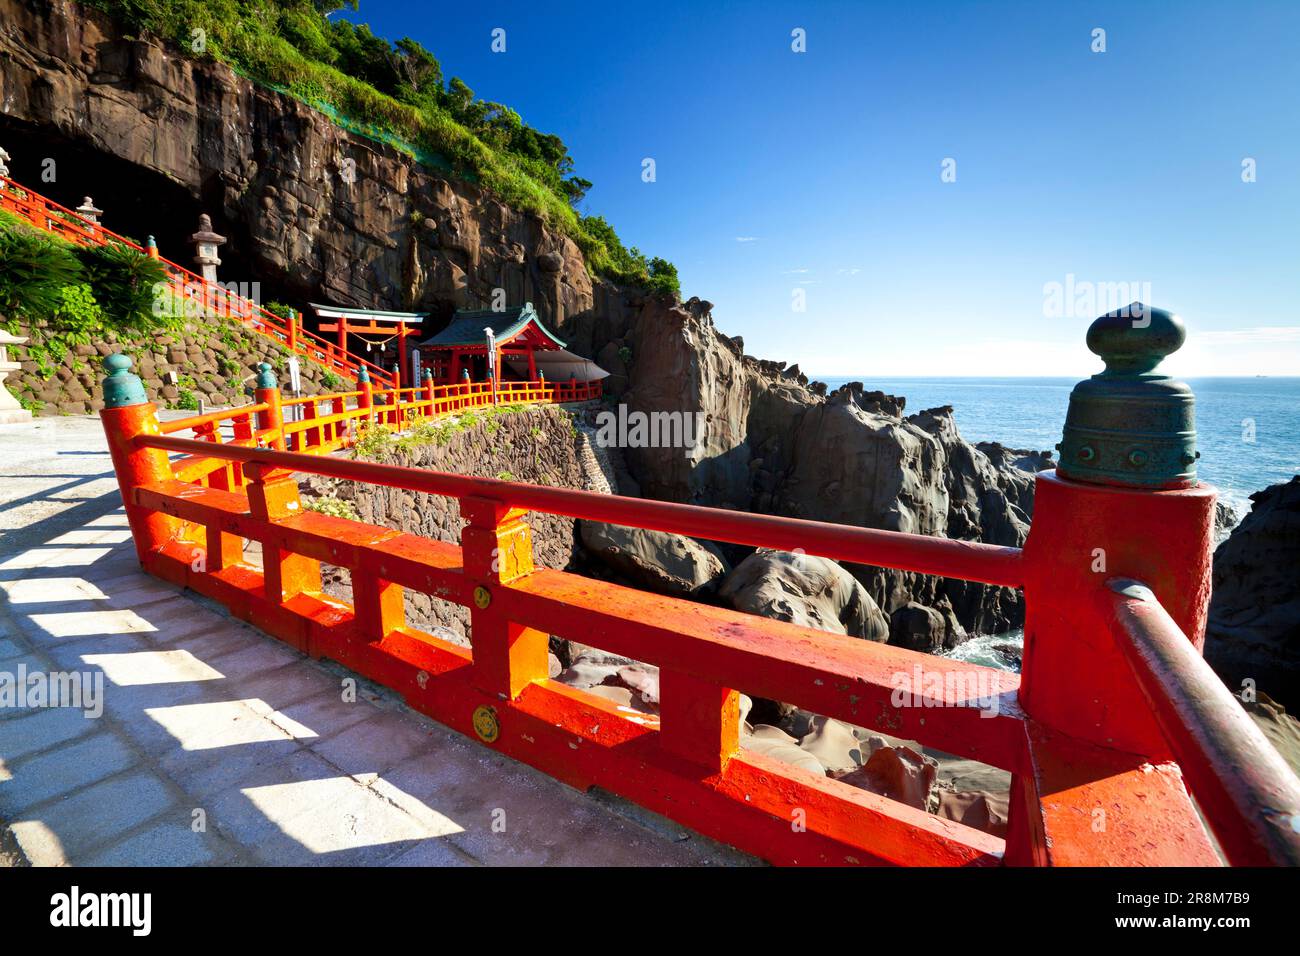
983,811
778,749
806,590
1226,518
918,628
1281,729
834,745
899,773
1254,623
662,562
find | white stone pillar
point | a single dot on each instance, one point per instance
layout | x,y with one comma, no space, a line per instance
10,411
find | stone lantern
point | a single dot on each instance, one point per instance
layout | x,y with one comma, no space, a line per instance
10,411
205,243
88,211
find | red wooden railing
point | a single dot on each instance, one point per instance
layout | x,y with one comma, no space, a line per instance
190,288
1086,789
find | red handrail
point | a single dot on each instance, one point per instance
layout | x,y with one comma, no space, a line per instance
1250,796
971,560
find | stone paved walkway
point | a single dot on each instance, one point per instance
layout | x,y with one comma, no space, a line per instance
220,745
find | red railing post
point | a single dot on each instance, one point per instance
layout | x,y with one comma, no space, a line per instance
367,397
268,393
497,546
292,323
699,720
128,413
273,496
1124,502
429,395
311,436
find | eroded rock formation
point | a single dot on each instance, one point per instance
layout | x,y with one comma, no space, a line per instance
1254,628
805,590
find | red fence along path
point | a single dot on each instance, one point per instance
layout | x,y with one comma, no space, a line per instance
1111,729
189,287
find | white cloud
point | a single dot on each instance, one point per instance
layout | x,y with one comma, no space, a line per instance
747,238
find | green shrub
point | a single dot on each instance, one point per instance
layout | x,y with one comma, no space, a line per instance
78,317
186,399
35,268
330,505
124,282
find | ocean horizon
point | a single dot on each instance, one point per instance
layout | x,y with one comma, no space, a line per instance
1247,431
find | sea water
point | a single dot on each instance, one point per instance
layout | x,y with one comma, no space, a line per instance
1247,431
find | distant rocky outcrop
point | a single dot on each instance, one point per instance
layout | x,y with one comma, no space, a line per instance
771,445
1254,625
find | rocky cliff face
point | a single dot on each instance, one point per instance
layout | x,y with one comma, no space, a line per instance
1254,627
772,443
314,212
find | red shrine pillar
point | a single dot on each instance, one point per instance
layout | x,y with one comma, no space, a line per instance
403,369
532,364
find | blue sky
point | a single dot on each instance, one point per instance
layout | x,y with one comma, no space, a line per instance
819,173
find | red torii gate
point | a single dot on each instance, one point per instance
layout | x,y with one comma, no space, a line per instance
363,322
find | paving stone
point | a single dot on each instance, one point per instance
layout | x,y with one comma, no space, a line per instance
287,685
69,827
49,629
93,536
435,851
211,643
325,714
52,558
256,658
221,744
13,669
151,667
166,844
71,655
374,746
50,590
335,821
59,772
41,729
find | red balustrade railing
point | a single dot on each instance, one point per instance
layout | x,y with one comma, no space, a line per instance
189,287
1086,790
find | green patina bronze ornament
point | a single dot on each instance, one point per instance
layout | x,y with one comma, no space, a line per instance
1131,425
363,376
121,387
266,376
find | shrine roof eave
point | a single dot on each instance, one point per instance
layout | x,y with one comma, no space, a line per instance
342,312
468,330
